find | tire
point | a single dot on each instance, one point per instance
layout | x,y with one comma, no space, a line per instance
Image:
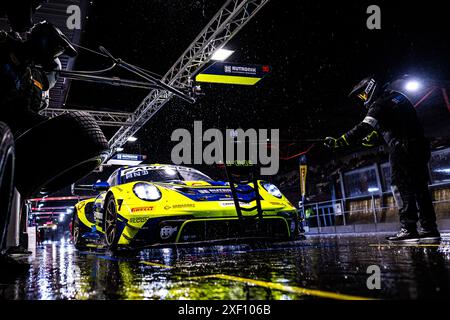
6,180
77,230
58,152
110,224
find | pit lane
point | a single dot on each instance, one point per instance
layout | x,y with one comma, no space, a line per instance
331,267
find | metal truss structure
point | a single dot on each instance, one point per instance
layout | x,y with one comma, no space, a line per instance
227,22
103,118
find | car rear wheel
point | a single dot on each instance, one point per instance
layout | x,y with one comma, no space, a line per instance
110,225
6,180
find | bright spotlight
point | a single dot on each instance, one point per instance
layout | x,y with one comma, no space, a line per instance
120,149
221,54
412,85
132,139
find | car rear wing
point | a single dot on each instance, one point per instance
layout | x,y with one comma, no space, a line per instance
239,175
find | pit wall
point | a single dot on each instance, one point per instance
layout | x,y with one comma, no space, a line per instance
378,213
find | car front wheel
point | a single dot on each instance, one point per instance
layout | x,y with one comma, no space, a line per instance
110,226
77,233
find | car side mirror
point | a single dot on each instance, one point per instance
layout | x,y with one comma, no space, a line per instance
100,186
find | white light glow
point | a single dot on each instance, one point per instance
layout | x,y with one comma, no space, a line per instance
170,171
146,192
132,139
444,170
119,149
221,54
412,85
373,189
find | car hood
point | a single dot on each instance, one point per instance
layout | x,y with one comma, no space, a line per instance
210,191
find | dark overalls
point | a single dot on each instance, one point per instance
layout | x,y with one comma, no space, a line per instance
393,116
21,88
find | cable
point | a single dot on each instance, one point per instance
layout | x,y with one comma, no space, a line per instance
98,71
90,50
106,56
152,78
298,154
148,71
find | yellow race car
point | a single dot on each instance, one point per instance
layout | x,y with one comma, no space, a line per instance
166,204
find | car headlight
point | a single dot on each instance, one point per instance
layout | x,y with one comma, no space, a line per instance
146,191
272,189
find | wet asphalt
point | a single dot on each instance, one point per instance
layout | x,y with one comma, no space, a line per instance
317,268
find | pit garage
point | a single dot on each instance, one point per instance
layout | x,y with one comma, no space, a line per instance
183,150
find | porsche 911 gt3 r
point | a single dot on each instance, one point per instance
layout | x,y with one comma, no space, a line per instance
166,204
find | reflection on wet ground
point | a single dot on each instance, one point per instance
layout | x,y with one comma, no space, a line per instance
325,267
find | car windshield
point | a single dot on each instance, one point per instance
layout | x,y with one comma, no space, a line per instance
162,174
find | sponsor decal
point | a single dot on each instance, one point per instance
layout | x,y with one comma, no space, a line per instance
124,156
137,170
136,174
213,191
231,204
197,184
251,71
140,209
138,220
167,231
233,73
182,206
276,203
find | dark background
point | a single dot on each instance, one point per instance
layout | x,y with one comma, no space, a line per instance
317,51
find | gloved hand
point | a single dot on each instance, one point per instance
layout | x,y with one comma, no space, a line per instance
371,140
334,143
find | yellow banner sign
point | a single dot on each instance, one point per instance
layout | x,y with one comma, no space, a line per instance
303,171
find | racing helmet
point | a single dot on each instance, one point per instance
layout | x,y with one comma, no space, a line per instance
364,91
47,42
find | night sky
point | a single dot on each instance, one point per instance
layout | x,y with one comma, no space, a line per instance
317,52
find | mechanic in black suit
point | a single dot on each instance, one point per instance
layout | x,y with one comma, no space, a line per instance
392,115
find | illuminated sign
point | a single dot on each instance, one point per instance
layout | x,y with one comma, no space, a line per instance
123,159
233,73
